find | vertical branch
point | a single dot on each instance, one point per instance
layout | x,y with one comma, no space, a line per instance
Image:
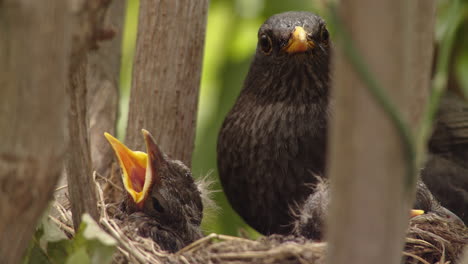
420,34
87,31
78,158
34,48
103,87
166,74
370,203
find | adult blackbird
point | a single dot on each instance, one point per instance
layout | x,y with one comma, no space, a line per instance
162,201
273,139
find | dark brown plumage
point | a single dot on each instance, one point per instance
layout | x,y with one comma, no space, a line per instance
446,171
167,207
273,141
274,138
426,201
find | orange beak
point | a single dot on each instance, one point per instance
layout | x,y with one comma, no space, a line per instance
137,172
298,41
415,212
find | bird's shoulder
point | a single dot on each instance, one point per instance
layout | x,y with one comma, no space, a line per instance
450,136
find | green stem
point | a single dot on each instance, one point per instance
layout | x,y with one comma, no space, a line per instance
440,80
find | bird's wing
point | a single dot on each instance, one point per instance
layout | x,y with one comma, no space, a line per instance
450,136
448,181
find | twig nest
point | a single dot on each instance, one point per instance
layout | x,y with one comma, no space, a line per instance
272,249
435,240
430,239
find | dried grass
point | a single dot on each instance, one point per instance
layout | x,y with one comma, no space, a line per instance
430,239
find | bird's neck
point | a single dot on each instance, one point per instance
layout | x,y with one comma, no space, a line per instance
289,84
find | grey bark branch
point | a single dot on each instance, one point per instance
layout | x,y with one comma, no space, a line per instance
88,29
103,85
166,75
370,206
78,159
34,48
420,51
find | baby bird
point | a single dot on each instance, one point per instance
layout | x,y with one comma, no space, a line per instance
311,215
162,200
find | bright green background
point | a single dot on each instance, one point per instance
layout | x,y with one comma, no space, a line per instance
230,44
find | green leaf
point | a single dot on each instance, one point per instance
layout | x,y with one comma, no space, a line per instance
90,245
79,257
52,233
461,55
100,253
99,245
461,71
94,231
50,245
60,251
36,255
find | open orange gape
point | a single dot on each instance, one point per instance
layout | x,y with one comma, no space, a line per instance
137,173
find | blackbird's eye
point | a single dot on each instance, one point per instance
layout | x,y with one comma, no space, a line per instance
324,35
157,206
265,44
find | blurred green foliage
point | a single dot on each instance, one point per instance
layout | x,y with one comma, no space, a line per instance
90,245
458,66
230,43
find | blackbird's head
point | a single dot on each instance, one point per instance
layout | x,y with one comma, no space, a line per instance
295,48
158,186
298,35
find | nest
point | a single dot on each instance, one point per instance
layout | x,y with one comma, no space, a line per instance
430,239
